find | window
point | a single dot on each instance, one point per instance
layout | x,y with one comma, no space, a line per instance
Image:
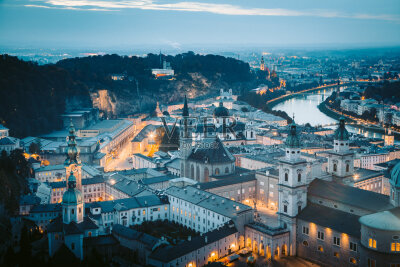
395,246
321,235
371,263
305,243
299,177
334,167
320,248
353,261
372,243
286,177
284,208
353,246
298,209
305,230
347,167
336,241
336,254
72,211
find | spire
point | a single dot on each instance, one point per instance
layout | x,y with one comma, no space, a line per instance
185,112
72,150
293,140
341,132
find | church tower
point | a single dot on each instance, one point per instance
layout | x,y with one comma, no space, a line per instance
292,186
72,203
341,158
262,65
185,140
72,163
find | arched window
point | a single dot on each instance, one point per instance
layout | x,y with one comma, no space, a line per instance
305,243
217,171
334,167
347,167
286,177
226,170
72,211
192,171
299,177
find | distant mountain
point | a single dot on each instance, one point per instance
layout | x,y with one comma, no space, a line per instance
33,97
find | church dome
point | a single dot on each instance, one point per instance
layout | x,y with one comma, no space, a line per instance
72,195
341,132
221,111
386,220
395,175
293,140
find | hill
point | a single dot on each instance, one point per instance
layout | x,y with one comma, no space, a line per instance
33,97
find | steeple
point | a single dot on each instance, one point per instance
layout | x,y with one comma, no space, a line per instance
292,140
72,150
185,112
341,132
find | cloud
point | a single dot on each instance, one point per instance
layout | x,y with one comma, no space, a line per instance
222,9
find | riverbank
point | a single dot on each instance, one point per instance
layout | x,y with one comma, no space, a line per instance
273,102
336,115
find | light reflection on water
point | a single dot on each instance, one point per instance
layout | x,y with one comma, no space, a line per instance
305,109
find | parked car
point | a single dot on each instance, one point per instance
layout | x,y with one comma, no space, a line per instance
233,257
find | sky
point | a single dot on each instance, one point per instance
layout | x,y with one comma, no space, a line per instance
181,23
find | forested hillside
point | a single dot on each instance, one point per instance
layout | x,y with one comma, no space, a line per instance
33,97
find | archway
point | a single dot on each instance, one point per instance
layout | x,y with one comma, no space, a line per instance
268,252
255,247
241,241
262,249
206,175
276,253
248,243
284,250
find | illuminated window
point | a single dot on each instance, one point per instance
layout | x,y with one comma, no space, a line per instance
372,243
320,248
395,246
336,254
353,261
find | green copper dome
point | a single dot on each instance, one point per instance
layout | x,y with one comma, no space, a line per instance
341,133
395,175
72,195
221,111
293,140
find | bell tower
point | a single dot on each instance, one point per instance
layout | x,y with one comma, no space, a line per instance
341,158
72,203
292,186
72,163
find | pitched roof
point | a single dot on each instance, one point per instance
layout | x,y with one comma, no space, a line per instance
216,154
129,233
57,225
228,181
332,218
366,200
169,253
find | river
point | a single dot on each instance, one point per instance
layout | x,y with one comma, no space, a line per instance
304,107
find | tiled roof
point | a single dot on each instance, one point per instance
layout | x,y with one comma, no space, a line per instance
334,219
169,253
348,195
216,154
